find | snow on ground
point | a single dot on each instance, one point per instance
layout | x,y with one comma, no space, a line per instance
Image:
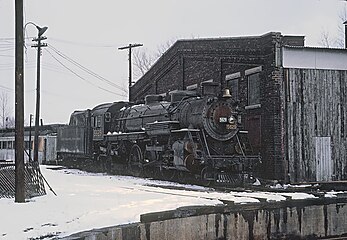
85,201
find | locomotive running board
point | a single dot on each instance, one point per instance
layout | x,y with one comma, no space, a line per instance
125,136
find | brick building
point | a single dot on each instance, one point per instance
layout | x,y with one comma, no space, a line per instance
265,73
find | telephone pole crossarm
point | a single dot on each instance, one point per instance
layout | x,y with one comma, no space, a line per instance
130,46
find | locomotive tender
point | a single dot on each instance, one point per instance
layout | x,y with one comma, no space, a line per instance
198,132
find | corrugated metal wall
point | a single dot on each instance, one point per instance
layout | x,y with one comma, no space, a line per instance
315,119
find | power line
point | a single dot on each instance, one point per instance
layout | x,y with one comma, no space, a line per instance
84,44
6,55
76,74
6,45
54,68
7,39
6,88
11,39
86,69
6,49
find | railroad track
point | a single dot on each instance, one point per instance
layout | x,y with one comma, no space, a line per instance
187,178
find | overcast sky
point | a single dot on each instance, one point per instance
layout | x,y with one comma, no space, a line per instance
90,32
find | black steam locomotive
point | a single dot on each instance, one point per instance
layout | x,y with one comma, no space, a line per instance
198,132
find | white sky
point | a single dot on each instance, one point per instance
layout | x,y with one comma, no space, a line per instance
90,32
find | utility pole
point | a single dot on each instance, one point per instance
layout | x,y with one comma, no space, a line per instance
31,120
130,46
19,104
38,74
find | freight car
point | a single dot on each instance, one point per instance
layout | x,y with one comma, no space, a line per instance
197,132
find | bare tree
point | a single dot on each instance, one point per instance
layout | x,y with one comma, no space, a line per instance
325,40
143,59
142,62
10,122
6,120
339,40
162,48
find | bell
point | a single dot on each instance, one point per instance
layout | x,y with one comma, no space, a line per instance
226,93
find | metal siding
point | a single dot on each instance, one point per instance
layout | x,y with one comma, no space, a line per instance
315,58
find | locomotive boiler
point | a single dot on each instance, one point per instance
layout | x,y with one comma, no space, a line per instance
196,132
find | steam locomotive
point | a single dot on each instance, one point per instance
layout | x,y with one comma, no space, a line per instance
196,132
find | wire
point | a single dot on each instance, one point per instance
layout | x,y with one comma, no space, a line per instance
6,49
84,44
7,39
64,56
86,69
4,55
6,88
76,74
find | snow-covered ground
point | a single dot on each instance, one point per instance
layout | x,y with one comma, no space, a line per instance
86,201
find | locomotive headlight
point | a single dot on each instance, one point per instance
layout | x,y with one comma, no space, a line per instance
232,120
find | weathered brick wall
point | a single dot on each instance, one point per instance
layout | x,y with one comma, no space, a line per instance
166,83
193,61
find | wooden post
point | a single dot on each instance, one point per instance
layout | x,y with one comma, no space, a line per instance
19,104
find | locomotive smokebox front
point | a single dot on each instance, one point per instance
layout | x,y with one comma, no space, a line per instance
220,120
217,117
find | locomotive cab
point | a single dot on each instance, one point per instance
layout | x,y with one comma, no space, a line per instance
100,121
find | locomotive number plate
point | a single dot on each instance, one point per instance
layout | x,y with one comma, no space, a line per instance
230,126
223,119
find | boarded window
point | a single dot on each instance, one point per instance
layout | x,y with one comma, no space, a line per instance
253,125
98,121
323,159
233,86
232,81
254,89
92,119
